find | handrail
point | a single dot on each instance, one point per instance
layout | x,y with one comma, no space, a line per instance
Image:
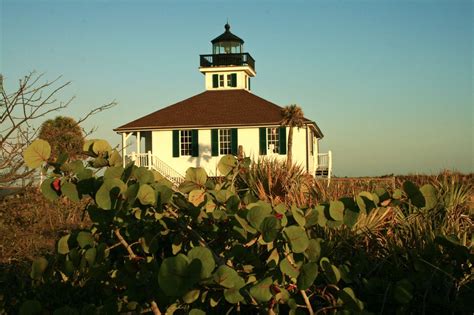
167,171
153,162
323,159
215,60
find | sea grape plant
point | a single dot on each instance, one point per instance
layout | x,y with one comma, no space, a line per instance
205,246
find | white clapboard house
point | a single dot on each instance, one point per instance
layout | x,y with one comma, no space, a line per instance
225,118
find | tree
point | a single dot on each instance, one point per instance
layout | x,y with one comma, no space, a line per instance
292,116
64,135
20,112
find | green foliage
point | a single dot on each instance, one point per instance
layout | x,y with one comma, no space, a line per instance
37,153
64,135
216,247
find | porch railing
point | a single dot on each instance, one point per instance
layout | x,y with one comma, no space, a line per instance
324,167
216,60
153,162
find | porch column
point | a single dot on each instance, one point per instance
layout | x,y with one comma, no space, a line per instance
138,144
125,137
124,147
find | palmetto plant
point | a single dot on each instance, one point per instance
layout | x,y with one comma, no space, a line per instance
292,116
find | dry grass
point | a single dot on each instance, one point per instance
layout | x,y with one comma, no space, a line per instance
30,225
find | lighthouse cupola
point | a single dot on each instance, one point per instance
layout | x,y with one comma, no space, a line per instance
228,67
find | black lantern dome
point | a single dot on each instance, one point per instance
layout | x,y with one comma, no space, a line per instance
227,43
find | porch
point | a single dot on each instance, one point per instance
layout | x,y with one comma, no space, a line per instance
152,162
324,166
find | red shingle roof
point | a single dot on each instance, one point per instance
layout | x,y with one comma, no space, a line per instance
212,109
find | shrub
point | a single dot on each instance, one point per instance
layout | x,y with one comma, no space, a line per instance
215,248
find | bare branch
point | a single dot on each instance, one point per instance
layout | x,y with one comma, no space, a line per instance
20,115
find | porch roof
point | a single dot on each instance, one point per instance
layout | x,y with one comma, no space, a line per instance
212,109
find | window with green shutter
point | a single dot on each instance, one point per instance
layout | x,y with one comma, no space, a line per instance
233,79
263,140
215,80
175,143
214,142
234,141
282,136
194,143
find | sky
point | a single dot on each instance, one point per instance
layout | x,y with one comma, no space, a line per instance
389,83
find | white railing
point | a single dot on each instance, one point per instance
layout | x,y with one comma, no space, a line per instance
323,160
153,162
167,171
325,165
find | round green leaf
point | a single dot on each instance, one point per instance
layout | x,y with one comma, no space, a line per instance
332,273
70,190
196,311
143,175
308,274
292,270
350,217
322,220
38,267
313,251
146,195
100,146
197,196
191,296
350,301
47,189
431,196
298,215
232,295
196,175
85,239
115,159
113,172
226,276
297,237
414,194
102,196
90,256
336,210
63,247
37,153
226,164
257,214
172,276
261,291
207,260
270,228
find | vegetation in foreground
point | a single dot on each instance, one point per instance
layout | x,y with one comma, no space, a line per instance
251,243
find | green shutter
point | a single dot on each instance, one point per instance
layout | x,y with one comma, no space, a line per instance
215,142
263,141
194,143
175,143
249,83
233,80
282,140
234,141
215,80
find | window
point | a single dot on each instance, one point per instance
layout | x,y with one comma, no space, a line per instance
232,80
311,142
186,142
273,140
225,141
221,80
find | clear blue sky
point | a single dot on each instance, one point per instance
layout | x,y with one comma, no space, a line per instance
388,82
